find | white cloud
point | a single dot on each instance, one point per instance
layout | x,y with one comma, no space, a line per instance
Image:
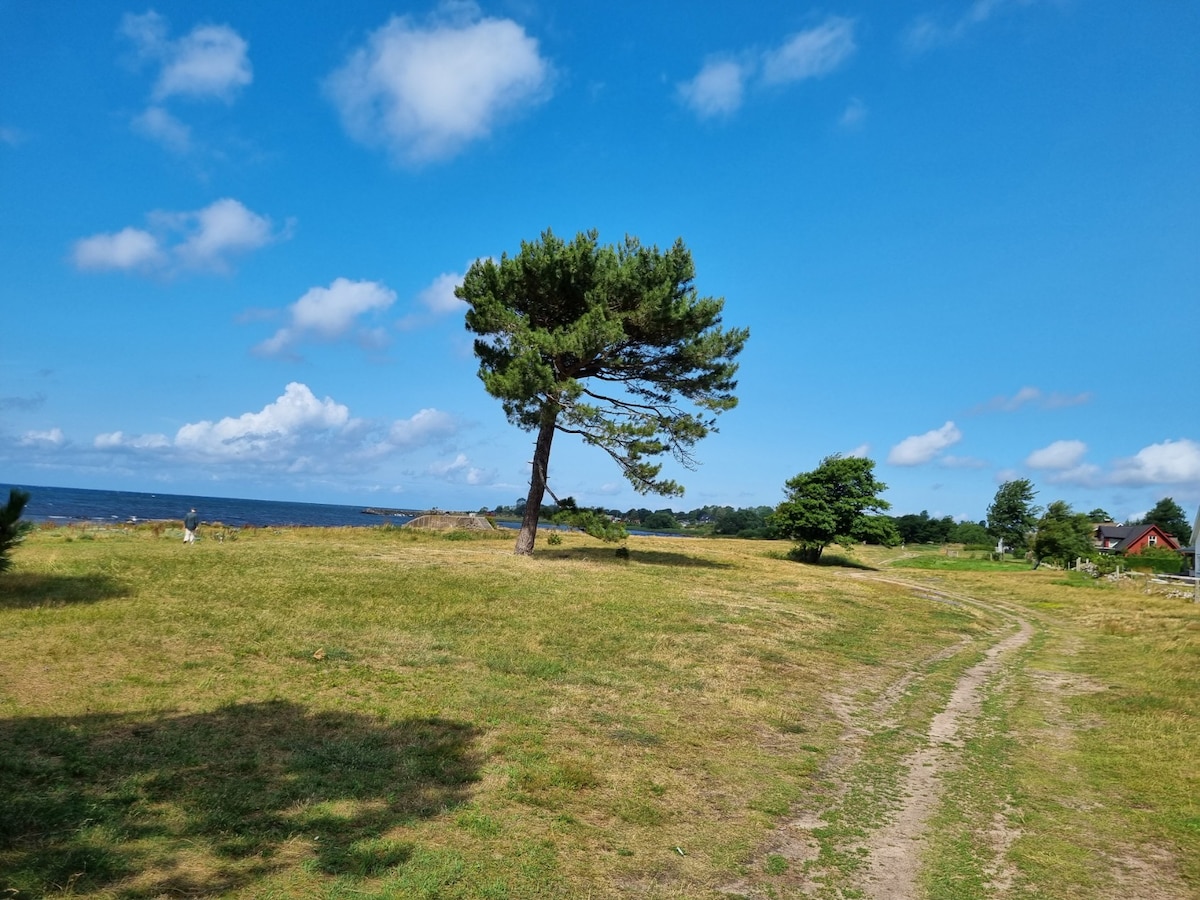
426,426
203,240
442,467
460,469
328,314
437,300
219,230
425,92
859,452
295,433
716,90
1171,462
159,125
810,54
927,33
719,88
116,440
268,434
439,297
129,248
922,448
211,61
1059,455
52,437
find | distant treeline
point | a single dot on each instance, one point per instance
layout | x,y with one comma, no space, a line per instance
754,522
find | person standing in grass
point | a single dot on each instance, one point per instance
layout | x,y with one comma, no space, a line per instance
190,523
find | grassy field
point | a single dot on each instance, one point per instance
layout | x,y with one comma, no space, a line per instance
386,713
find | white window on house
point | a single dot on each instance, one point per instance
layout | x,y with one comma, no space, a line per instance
1152,540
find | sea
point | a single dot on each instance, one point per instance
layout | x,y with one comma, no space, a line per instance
81,505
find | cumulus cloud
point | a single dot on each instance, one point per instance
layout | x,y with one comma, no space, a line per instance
426,426
460,470
268,433
1171,462
202,240
1063,461
859,452
439,297
436,301
330,314
424,92
923,448
927,32
129,248
210,61
48,439
295,433
1059,455
719,88
716,90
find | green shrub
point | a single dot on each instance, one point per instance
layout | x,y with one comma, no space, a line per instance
1158,560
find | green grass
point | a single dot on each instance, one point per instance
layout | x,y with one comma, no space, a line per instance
386,713
964,563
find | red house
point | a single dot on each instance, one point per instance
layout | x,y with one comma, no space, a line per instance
1127,539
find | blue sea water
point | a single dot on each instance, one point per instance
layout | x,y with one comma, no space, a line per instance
55,504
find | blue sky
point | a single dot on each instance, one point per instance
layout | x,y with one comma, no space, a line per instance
965,237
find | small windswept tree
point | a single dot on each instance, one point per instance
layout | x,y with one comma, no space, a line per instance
12,529
605,343
1063,535
1012,515
827,503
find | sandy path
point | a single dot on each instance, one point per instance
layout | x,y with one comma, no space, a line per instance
894,852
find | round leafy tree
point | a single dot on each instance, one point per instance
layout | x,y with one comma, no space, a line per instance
828,503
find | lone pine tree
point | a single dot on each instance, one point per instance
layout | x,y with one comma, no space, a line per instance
606,343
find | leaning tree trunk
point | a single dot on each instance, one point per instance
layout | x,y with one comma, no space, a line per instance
537,483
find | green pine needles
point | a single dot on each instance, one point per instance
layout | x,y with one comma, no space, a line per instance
612,344
12,529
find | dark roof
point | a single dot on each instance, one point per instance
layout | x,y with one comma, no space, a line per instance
1124,536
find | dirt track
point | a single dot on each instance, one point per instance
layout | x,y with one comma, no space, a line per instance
894,852
882,856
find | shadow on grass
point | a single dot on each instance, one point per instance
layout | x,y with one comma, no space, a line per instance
208,803
646,557
844,562
22,590
827,560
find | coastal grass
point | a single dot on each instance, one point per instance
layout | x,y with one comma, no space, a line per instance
392,713
384,712
1082,776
